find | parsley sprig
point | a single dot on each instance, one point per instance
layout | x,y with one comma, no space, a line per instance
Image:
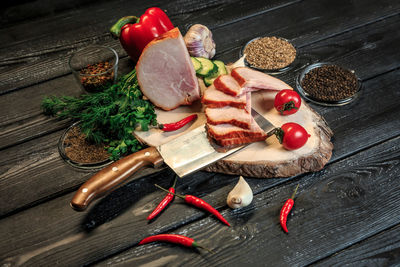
109,116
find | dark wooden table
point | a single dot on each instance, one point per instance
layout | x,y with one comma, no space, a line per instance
346,214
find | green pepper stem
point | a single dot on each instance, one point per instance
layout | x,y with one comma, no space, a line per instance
116,28
295,191
176,178
175,194
194,244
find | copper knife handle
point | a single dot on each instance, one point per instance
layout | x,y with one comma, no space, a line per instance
113,176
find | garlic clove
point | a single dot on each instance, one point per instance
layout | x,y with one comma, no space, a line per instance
240,196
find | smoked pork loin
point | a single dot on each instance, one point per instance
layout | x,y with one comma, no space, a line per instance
252,80
229,120
214,98
165,72
230,115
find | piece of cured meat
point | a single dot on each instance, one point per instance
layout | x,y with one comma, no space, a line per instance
234,142
228,115
228,131
227,84
214,98
253,80
165,72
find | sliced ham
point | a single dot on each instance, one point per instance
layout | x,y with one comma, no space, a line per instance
252,80
228,131
227,84
233,142
228,115
165,72
214,98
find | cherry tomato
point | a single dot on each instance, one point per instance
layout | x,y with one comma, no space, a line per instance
294,136
287,102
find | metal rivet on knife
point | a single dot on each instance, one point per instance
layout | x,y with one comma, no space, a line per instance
84,190
147,154
114,169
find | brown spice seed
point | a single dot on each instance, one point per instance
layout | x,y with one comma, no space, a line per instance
270,53
78,149
330,83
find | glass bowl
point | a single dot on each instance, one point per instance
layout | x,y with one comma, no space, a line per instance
94,67
269,71
80,165
313,99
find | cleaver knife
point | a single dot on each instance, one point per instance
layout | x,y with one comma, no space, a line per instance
184,155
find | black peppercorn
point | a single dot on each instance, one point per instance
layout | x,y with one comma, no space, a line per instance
330,83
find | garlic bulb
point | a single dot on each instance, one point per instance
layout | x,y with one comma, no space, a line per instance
240,196
199,41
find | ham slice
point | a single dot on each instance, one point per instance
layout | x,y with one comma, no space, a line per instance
214,98
227,84
228,131
228,115
165,72
252,80
234,142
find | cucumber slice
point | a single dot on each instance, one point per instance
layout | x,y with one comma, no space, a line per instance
221,70
221,67
208,67
196,64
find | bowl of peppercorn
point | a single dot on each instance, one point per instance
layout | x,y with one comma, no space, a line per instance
271,54
327,84
94,67
79,152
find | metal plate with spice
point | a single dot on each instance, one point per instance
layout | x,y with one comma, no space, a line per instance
273,55
88,157
328,84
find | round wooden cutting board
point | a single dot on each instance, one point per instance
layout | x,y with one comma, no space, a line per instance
263,159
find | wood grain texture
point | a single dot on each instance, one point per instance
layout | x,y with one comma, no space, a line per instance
347,213
382,249
376,116
46,49
129,206
321,223
368,46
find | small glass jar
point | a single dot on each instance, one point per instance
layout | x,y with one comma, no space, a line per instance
274,70
312,98
80,165
94,67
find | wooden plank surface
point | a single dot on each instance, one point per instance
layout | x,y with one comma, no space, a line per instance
344,214
16,169
324,213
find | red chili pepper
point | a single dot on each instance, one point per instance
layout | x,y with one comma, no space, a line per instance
201,204
134,33
176,239
169,127
287,207
166,200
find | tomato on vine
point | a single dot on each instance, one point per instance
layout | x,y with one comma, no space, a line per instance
291,135
287,102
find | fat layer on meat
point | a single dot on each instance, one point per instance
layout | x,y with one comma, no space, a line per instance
165,72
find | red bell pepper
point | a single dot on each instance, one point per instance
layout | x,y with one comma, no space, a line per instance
135,33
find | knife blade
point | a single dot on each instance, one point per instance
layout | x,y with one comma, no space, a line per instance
184,155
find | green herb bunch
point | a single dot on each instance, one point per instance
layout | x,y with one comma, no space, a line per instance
109,116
